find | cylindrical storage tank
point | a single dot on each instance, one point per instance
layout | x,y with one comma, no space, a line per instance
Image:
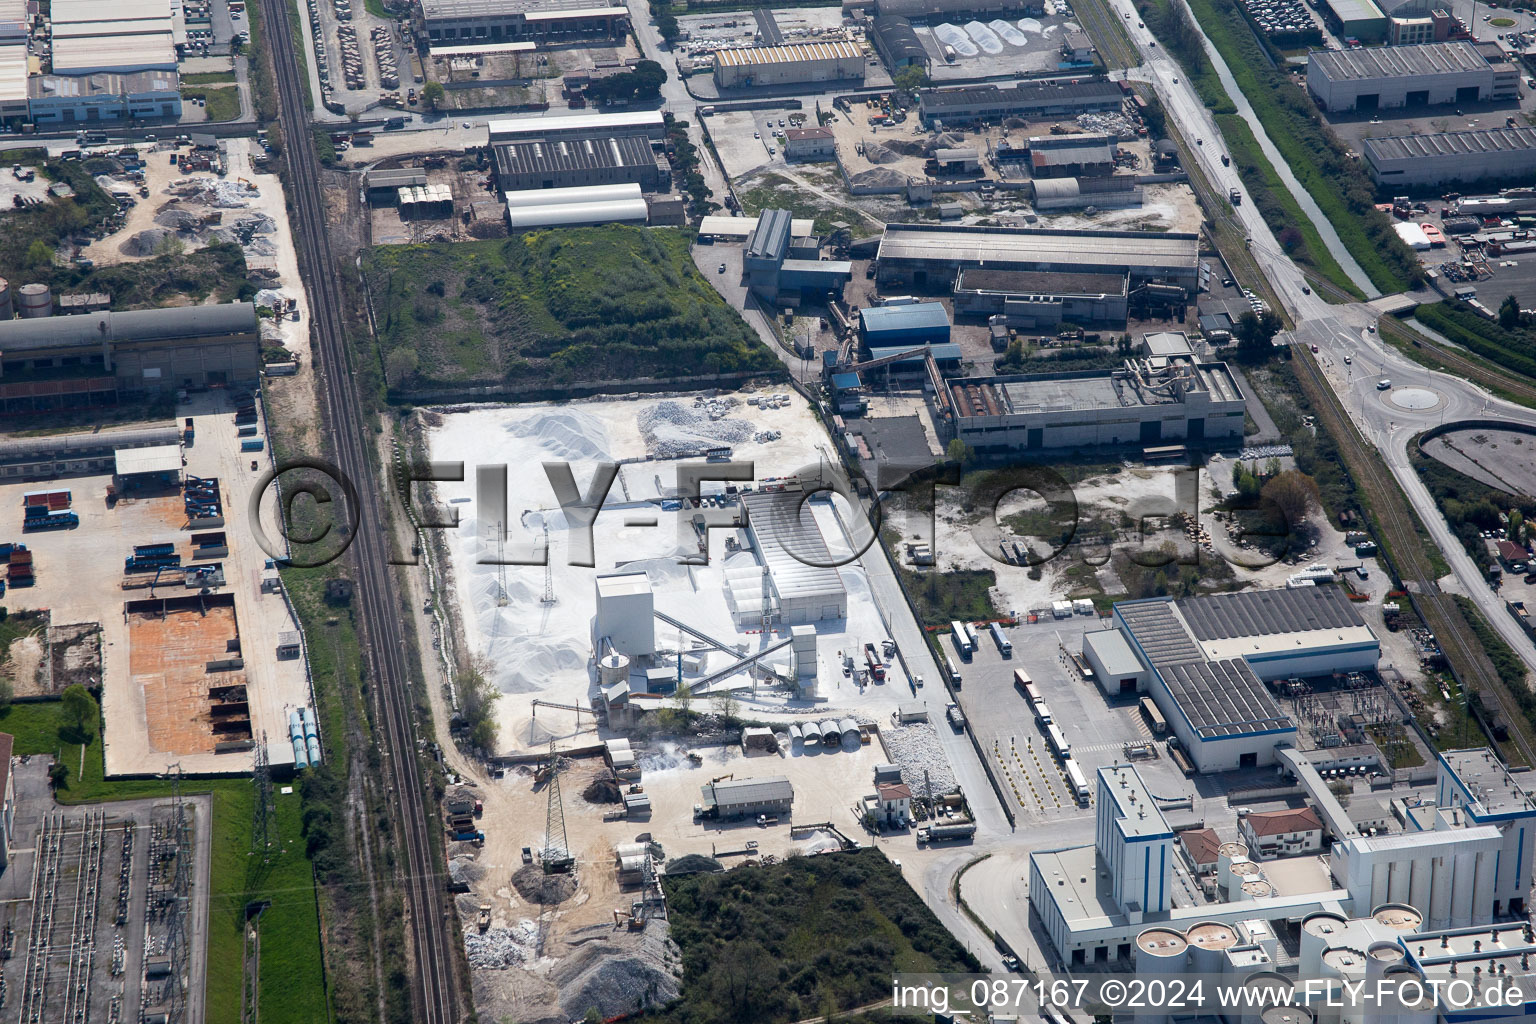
1257,889
36,301
848,731
1243,871
1464,880
1422,1010
1440,893
1343,962
1399,917
1399,880
1422,884
7,304
1228,854
1380,956
612,668
313,743
1208,941
300,754
1160,952
1482,896
1287,1015
1270,988
310,728
831,735
1317,934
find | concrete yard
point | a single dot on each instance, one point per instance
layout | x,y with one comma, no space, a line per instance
150,717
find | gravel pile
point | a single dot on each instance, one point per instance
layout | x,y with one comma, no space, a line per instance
533,885
1118,125
673,430
879,177
876,153
613,978
945,140
145,243
465,870
497,949
218,192
916,748
176,217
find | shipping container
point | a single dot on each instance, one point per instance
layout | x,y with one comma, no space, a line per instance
1153,716
252,446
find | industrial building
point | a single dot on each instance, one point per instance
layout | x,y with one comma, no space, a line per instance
1150,403
739,798
91,453
574,163
897,44
913,323
926,255
1026,100
1362,20
1038,300
797,582
1387,77
513,20
1071,156
647,124
99,358
782,265
89,37
790,64
93,98
572,207
153,467
956,10
1452,157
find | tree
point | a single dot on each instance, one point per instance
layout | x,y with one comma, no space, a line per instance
666,22
39,253
400,365
725,707
80,709
58,775
1509,313
433,93
1294,495
1255,331
910,78
1516,526
959,451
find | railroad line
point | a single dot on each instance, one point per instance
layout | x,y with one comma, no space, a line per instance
432,945
1399,528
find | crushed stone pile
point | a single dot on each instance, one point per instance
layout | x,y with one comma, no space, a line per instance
877,153
615,979
144,243
219,192
880,177
533,885
602,791
905,147
270,332
271,298
178,218
673,430
915,746
692,864
497,949
1114,124
945,140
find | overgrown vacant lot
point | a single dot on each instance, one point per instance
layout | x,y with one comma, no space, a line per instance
558,306
807,936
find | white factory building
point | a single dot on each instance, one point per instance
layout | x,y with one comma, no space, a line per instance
499,21
789,64
90,37
1451,879
649,124
1440,158
796,582
1205,661
1388,77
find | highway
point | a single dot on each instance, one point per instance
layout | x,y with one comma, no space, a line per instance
433,943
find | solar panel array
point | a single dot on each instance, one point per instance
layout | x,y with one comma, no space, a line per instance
1223,698
1268,612
1162,637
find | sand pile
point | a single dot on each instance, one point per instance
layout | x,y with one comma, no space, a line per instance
533,885
602,791
880,177
144,243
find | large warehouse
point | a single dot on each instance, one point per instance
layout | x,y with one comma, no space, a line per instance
98,358
803,584
1385,77
1028,99
1178,401
571,207
1356,19
930,255
1033,299
791,64
574,163
1207,659
1438,159
647,124
76,99
90,37
513,20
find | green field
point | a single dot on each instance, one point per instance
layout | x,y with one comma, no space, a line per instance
777,192
292,991
1339,185
209,78
809,936
1506,347
223,103
558,306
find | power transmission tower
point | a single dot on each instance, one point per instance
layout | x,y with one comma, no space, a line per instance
549,573
557,848
261,779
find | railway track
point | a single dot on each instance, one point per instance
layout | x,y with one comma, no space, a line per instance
432,946
1395,519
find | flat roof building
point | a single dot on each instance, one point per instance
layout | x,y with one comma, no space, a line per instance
1142,405
97,98
1029,99
1452,157
512,20
1356,19
924,256
1041,299
805,586
1385,77
914,323
89,38
574,163
646,123
790,64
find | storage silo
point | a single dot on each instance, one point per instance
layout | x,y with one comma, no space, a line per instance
1399,917
311,736
1317,934
1262,991
612,668
1381,955
848,731
1287,1015
1343,962
1208,942
36,300
1255,889
1160,952
7,303
1226,853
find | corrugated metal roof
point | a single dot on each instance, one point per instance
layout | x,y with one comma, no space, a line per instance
164,458
518,127
433,10
1159,633
1132,249
791,546
13,74
1452,144
794,53
751,791
1453,58
1223,698
896,38
1113,652
916,316
770,239
230,318
944,352
559,155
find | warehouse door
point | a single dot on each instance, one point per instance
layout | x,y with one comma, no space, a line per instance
1417,98
1371,101
1467,95
1197,430
1036,437
1152,432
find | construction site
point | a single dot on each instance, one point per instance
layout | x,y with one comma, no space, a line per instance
103,908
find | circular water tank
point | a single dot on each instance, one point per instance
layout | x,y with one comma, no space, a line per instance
1398,916
7,307
1269,989
612,668
1161,951
1317,934
1207,942
36,301
1228,854
1256,889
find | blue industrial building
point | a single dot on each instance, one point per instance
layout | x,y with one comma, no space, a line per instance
908,325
